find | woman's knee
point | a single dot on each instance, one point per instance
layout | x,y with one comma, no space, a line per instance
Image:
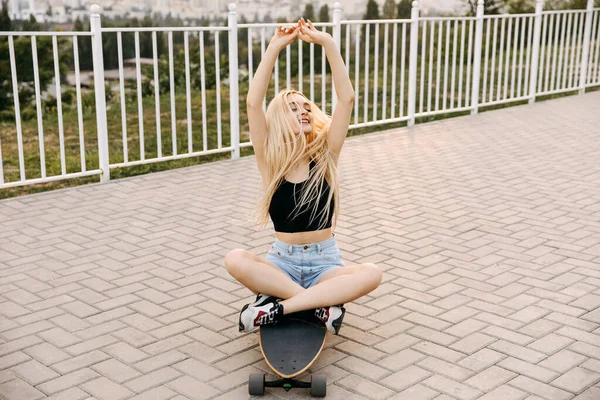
374,275
236,261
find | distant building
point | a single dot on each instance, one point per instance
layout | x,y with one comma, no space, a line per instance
63,11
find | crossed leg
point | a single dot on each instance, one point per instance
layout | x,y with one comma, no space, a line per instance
338,286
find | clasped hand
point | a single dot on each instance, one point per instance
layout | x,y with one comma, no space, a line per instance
304,31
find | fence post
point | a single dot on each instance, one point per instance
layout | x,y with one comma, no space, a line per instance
477,59
337,38
412,65
234,98
535,57
98,62
586,46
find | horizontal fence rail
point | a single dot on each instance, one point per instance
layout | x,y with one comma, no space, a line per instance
81,104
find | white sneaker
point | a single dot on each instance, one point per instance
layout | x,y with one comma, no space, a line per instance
332,317
252,317
262,299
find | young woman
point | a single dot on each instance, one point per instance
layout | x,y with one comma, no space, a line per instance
297,149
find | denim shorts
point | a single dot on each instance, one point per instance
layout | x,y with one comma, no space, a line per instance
305,264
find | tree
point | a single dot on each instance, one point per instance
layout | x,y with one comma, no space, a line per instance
372,13
490,7
5,22
267,18
404,9
577,4
389,9
372,10
527,6
521,6
5,79
553,4
146,48
309,12
146,45
31,25
179,76
84,44
24,64
324,14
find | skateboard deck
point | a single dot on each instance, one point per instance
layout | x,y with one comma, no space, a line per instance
292,345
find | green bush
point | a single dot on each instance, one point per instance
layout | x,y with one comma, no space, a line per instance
28,113
7,116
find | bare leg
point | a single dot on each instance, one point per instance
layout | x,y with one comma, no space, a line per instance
260,276
342,285
339,286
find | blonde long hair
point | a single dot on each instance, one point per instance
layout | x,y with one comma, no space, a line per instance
284,148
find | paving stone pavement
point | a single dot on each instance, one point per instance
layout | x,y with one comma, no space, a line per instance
487,229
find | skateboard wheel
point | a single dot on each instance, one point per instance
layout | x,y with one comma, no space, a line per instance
318,386
256,384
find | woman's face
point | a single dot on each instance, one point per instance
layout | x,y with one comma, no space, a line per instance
300,115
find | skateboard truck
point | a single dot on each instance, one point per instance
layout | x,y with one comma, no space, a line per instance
317,385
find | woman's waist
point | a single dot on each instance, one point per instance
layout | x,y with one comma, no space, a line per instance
303,240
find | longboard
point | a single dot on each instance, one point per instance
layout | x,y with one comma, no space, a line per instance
290,347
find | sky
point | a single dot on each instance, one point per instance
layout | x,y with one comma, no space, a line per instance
442,5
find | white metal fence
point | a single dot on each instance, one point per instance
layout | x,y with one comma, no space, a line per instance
18,130
401,70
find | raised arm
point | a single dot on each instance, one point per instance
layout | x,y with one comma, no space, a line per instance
258,88
343,87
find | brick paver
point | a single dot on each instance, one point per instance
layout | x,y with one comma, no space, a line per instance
487,229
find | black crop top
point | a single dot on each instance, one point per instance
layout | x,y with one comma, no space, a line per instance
282,207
